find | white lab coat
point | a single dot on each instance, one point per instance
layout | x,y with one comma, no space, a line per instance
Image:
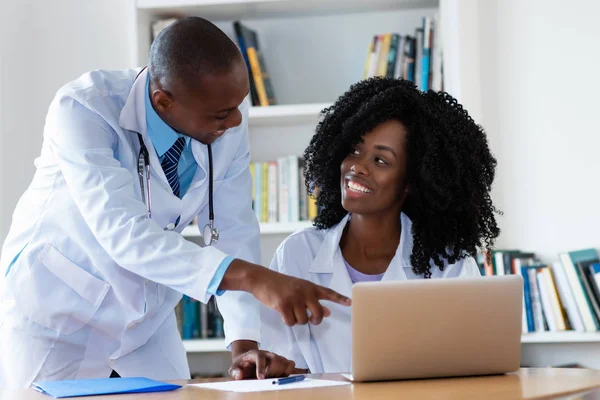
315,255
96,282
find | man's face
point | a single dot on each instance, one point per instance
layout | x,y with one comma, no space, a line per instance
205,113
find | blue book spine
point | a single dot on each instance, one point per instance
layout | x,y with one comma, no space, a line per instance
188,318
426,54
410,58
527,298
196,323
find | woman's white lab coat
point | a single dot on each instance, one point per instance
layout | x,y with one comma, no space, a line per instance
315,255
95,282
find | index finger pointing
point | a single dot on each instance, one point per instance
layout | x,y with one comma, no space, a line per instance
324,293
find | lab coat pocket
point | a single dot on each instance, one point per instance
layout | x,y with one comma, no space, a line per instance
154,296
58,294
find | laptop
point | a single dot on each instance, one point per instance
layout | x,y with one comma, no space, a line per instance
436,328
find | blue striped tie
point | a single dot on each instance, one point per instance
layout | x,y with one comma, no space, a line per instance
169,164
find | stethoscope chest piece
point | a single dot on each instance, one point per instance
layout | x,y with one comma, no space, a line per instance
210,234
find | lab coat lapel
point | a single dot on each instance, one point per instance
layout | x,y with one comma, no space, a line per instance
396,270
200,152
334,335
166,207
133,118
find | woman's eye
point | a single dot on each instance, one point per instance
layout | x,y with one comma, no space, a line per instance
354,151
380,160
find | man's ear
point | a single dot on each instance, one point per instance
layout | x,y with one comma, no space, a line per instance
162,101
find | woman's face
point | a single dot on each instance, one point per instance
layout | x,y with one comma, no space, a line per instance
373,175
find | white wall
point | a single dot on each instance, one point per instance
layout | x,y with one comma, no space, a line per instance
540,85
43,45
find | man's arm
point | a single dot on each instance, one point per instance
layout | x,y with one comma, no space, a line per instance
84,146
239,237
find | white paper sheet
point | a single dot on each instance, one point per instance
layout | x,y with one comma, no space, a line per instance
266,385
348,376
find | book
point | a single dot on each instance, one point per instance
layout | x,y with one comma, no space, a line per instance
409,58
272,192
547,309
589,319
424,84
258,67
566,295
237,27
527,300
257,185
383,55
393,55
557,307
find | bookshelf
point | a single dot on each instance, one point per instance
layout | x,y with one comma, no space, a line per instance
314,50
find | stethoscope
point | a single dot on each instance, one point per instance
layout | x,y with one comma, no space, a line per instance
210,234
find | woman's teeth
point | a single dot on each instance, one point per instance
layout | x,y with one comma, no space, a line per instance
358,188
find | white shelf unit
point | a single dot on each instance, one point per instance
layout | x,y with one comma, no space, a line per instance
265,228
217,10
561,337
218,345
314,50
205,346
285,114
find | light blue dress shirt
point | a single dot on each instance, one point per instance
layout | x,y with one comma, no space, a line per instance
163,137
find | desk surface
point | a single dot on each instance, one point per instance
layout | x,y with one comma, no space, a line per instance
537,383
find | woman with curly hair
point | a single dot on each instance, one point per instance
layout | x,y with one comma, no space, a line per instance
404,182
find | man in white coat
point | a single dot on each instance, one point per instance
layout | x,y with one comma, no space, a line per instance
94,262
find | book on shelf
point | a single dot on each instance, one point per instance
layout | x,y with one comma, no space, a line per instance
197,320
558,297
279,193
261,88
417,58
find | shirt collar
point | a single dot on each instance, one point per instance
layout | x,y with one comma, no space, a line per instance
161,134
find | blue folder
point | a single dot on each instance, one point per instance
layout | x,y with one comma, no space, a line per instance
93,387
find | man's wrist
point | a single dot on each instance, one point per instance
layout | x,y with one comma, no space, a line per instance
242,346
240,275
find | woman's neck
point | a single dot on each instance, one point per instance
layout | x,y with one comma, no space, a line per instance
369,242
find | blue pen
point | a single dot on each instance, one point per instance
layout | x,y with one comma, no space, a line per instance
290,379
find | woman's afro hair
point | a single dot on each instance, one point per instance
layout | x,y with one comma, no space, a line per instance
450,168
